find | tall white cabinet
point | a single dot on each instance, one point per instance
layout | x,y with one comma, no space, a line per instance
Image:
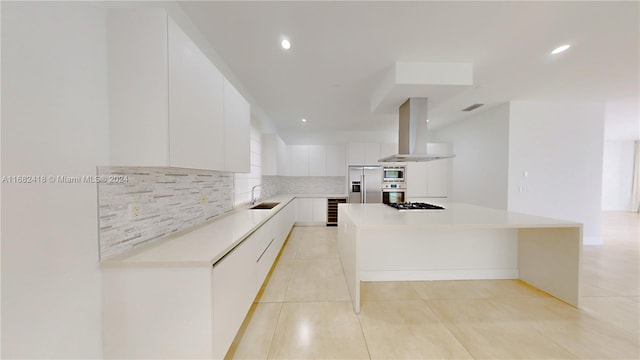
237,132
336,160
317,160
429,179
138,87
196,125
168,103
298,160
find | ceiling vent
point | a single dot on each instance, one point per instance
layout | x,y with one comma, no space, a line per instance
472,107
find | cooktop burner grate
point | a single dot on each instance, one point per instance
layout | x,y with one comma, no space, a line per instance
415,206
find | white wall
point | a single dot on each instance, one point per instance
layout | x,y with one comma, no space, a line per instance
617,175
54,122
621,128
560,147
481,146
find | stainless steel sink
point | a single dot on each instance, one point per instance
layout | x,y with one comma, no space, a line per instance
265,206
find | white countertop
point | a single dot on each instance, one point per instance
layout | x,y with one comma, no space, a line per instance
206,243
455,215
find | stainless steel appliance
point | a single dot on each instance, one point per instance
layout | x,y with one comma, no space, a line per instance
365,183
412,133
393,174
393,193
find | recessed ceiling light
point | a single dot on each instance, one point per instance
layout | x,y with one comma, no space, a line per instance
303,120
560,49
285,44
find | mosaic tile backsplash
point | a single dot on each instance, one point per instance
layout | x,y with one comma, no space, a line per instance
305,184
168,199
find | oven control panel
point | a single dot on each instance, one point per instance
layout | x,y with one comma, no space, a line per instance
393,186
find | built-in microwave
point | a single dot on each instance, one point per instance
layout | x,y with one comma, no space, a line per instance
393,173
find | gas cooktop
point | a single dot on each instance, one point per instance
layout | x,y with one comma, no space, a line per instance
415,206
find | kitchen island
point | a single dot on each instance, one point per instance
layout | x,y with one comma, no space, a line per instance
379,243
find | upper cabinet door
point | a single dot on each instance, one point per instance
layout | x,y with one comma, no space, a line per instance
336,160
371,153
317,160
355,154
196,122
237,132
269,154
138,108
298,160
416,179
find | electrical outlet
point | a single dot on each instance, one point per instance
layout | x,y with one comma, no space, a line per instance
203,198
134,211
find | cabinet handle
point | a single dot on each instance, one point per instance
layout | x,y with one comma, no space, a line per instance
265,250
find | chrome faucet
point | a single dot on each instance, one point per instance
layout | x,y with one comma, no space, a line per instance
253,199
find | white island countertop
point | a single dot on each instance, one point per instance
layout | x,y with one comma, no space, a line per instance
455,215
205,244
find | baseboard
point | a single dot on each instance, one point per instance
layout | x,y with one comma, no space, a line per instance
444,274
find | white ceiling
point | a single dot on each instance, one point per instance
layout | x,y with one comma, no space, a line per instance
341,52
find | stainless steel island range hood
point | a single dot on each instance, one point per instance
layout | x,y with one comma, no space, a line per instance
412,129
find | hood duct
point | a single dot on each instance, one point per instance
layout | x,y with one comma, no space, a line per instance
412,129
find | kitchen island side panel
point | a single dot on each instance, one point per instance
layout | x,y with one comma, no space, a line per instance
437,254
348,253
549,259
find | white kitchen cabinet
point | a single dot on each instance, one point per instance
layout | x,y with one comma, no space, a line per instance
416,179
311,211
266,250
431,178
283,158
363,153
305,210
237,133
238,277
298,160
336,160
196,119
371,153
275,155
234,279
319,211
138,87
388,149
285,222
269,154
167,99
317,160
355,154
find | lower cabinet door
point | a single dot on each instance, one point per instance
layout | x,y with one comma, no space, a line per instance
234,279
265,261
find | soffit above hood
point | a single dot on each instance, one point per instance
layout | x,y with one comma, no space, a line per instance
416,81
412,134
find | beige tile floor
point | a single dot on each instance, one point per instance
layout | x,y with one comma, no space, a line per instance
304,311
